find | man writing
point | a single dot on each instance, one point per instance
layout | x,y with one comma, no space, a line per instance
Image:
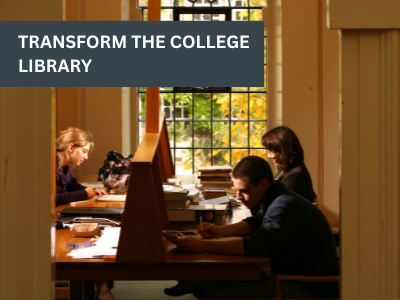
288,229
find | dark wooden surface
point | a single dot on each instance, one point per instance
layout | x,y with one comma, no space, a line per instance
178,265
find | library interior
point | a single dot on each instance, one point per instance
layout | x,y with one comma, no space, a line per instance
331,74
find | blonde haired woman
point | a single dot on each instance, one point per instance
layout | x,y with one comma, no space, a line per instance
72,148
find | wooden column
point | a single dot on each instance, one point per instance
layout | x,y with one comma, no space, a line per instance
153,93
369,147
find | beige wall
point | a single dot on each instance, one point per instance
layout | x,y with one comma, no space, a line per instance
94,109
310,93
97,110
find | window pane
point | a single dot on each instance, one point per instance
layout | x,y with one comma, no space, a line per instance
167,15
265,53
183,3
202,134
239,132
202,157
171,131
183,161
240,106
167,106
202,17
257,130
239,14
185,17
202,106
223,127
240,3
142,130
220,106
201,3
183,105
221,157
218,17
167,2
265,77
220,134
258,106
183,131
258,2
238,155
145,15
256,15
259,152
221,3
142,106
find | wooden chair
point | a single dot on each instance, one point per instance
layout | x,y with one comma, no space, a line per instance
279,278
61,290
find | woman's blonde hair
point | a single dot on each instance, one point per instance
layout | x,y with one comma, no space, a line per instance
75,136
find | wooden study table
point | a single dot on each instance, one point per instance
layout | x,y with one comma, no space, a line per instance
179,265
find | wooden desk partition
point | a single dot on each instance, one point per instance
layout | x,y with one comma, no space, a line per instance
145,213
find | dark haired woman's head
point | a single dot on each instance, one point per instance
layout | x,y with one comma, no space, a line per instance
283,147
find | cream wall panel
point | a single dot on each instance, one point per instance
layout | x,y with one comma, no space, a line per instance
396,212
350,198
70,113
102,10
310,93
355,14
94,109
329,202
300,77
369,164
102,117
26,168
31,10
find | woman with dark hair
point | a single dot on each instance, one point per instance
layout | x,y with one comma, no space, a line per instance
285,150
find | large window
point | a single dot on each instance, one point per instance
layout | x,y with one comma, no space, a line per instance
211,125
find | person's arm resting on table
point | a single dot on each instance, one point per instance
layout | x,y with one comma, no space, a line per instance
209,231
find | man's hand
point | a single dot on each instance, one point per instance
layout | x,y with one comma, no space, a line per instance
100,192
190,244
208,230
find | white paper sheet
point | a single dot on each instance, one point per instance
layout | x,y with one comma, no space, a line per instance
106,245
218,200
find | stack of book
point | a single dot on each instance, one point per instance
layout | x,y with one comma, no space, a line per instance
193,195
216,177
176,197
